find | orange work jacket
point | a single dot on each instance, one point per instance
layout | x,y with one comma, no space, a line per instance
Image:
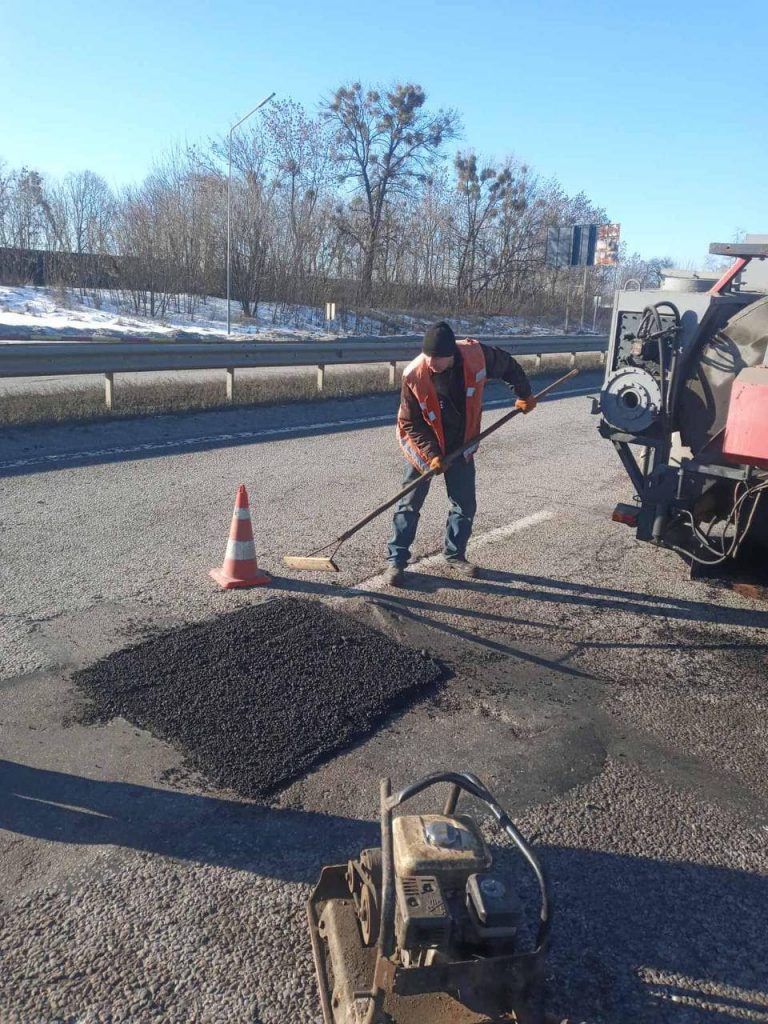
418,378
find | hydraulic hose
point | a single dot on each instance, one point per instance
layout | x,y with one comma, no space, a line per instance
733,519
652,328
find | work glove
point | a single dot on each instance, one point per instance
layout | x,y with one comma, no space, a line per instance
437,464
526,405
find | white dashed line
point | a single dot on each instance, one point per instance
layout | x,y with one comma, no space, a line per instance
244,435
500,533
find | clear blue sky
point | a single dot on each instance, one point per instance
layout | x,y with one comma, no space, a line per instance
638,105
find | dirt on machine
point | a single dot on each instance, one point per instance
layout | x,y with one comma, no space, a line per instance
424,929
685,403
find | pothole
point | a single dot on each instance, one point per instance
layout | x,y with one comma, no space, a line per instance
256,697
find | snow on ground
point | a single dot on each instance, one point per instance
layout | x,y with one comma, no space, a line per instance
29,312
26,311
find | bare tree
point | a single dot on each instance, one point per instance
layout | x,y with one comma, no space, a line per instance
84,209
632,266
483,193
30,222
298,157
140,237
6,191
383,141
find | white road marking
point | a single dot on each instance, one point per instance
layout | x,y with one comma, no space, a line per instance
500,533
243,435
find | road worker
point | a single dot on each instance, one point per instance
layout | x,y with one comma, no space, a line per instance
440,408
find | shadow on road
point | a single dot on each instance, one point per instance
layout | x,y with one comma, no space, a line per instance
634,938
410,602
414,608
583,595
641,940
207,829
549,590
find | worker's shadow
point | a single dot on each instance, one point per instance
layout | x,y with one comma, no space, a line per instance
66,808
411,604
549,590
634,938
544,590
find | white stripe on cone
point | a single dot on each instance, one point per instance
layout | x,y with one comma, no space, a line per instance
240,550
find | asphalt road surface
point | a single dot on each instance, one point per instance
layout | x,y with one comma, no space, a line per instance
617,708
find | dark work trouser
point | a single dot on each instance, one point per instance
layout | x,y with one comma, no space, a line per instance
460,485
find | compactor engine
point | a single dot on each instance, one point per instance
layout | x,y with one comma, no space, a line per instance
425,929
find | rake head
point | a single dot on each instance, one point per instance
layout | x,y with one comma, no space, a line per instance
311,563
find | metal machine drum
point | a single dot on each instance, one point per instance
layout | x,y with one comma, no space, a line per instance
631,399
703,399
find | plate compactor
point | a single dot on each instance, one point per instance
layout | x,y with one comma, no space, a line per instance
422,930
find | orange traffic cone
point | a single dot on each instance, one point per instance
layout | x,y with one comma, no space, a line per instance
240,568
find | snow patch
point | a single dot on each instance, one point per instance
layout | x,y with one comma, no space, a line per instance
39,313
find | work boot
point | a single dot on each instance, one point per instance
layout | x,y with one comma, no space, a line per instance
396,576
461,565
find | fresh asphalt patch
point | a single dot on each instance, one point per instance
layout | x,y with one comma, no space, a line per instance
256,697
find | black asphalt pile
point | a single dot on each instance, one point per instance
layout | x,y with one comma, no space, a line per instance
256,697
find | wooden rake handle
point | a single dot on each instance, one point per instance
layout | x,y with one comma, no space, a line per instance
447,461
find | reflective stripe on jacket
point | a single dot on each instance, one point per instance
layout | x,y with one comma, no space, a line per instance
418,378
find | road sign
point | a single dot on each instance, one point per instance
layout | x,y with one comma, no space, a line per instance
607,246
559,243
583,247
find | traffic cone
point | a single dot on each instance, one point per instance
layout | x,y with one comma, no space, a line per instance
240,568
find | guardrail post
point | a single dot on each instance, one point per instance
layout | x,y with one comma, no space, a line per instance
573,360
19,358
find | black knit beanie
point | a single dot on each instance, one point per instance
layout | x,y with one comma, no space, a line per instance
439,340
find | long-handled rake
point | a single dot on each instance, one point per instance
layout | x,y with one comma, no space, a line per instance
325,563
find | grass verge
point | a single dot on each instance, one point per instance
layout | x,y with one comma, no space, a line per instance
85,403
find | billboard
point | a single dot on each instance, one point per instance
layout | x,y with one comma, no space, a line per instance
607,245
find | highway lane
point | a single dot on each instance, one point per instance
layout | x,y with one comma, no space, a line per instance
619,709
366,412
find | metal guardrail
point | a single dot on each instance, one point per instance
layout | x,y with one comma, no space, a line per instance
43,359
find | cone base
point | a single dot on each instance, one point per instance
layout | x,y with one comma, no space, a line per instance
227,582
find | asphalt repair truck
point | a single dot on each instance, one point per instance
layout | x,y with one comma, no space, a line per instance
685,404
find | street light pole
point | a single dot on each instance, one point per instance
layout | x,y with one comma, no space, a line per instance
229,202
583,296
